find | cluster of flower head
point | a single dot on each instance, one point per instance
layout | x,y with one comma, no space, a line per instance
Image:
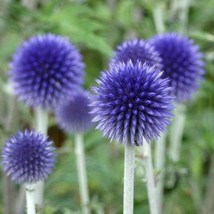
45,71
134,97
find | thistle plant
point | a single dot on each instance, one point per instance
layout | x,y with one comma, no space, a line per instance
136,50
133,106
73,117
183,65
28,158
45,71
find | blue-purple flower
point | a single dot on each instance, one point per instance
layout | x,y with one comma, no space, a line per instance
73,115
46,70
28,157
137,50
132,102
182,62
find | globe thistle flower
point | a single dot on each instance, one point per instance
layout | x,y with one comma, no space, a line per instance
28,157
182,62
132,102
45,70
73,115
137,50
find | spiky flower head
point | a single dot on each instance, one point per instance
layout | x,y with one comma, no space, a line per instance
45,70
182,62
28,157
132,102
73,115
136,50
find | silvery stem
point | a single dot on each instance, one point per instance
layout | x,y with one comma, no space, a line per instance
158,17
184,10
150,181
159,166
41,126
128,190
176,134
82,175
30,198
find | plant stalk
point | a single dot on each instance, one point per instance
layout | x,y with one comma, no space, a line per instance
82,175
208,206
30,199
128,190
160,166
176,134
158,17
150,181
41,126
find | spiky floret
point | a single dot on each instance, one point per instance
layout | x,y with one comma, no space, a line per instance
45,70
182,62
73,115
28,157
137,50
132,102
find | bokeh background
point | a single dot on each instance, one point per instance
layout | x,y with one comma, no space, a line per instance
97,27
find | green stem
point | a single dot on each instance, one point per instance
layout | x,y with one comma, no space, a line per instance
128,190
81,169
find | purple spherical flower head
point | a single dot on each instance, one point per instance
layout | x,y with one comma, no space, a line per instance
73,115
28,157
137,50
45,70
182,62
132,102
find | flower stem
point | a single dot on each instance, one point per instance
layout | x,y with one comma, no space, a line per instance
184,11
128,190
158,17
81,169
208,205
176,133
30,197
160,165
41,126
150,181
41,120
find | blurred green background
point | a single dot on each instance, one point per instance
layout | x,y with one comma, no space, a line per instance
96,27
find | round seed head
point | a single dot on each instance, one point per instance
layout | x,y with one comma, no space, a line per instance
182,63
132,102
28,157
73,115
137,50
46,70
